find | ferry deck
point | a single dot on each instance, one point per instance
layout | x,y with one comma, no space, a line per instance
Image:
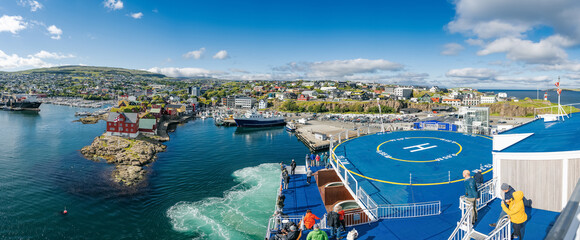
407,184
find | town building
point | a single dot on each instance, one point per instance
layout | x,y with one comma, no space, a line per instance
193,91
404,93
452,102
488,99
244,102
303,98
123,124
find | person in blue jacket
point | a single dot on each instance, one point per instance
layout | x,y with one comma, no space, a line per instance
471,193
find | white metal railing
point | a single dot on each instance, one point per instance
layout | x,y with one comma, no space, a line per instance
322,223
371,208
502,231
486,193
366,199
409,210
570,108
356,217
275,223
464,226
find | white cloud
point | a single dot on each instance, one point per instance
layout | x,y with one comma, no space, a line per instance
543,52
113,4
138,15
34,5
197,54
472,73
14,61
223,54
452,49
54,31
475,42
51,55
505,26
183,72
12,24
340,68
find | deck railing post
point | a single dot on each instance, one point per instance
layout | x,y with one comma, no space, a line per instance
449,176
410,179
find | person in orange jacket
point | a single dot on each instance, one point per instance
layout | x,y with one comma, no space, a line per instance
310,219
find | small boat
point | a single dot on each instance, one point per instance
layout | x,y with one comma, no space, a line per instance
290,127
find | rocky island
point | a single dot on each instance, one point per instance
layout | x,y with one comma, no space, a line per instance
128,155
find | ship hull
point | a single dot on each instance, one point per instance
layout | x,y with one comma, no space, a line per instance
259,123
31,106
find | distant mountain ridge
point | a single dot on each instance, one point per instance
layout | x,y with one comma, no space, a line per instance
74,69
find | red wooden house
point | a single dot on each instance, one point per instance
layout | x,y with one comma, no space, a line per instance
123,124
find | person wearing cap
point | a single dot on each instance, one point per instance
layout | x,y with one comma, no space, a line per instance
508,192
317,234
517,212
471,193
293,167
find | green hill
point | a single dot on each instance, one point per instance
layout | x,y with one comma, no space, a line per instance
94,71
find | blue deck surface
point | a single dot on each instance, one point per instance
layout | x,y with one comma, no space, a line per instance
537,226
428,159
301,196
430,178
563,136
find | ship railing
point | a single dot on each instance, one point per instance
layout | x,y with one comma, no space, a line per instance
351,184
571,108
371,208
276,224
502,231
322,223
356,217
366,199
464,226
487,192
409,210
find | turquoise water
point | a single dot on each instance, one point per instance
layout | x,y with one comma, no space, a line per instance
212,183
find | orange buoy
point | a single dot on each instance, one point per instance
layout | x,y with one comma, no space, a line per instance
65,211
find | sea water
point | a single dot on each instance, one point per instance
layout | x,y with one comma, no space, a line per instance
212,183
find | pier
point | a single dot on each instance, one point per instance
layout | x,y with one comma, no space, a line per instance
316,135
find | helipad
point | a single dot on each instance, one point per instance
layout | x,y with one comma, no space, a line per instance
391,164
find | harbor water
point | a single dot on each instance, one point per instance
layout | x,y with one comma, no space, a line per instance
212,183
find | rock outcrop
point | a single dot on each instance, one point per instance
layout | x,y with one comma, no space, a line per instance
128,155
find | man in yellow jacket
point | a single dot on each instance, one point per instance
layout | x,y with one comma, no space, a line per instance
517,213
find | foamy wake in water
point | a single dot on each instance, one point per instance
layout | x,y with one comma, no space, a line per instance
241,214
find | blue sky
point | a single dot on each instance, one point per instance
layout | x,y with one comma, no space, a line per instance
476,43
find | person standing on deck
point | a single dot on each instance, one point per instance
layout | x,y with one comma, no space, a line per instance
310,219
341,217
317,160
478,178
312,159
333,222
517,213
471,193
306,159
293,167
286,180
308,175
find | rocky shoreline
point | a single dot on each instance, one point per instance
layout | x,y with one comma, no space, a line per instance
130,156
